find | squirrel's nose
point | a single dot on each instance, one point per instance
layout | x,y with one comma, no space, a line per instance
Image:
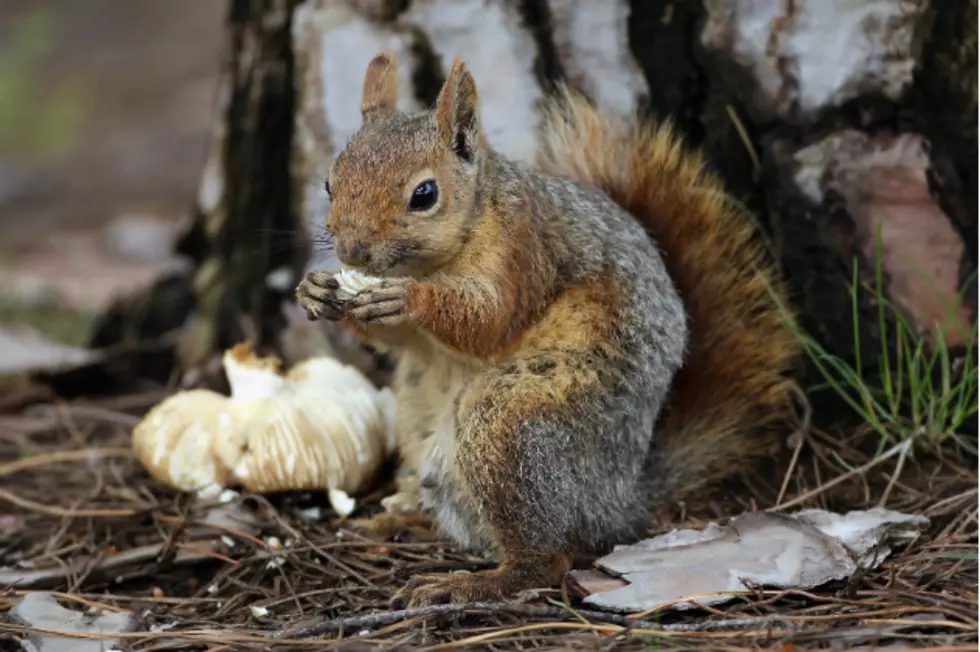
354,252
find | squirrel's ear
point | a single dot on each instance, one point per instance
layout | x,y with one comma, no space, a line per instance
458,111
380,94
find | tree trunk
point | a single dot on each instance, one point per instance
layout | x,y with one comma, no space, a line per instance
246,226
851,135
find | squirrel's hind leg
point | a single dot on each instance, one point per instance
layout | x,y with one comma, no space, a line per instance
549,455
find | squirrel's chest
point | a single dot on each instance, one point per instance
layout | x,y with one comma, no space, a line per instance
428,389
427,386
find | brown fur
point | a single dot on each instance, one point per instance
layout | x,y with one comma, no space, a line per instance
734,380
481,314
380,89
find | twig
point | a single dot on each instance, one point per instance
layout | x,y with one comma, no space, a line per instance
101,414
891,452
62,512
802,431
62,456
296,534
743,135
937,507
13,578
71,597
501,635
898,470
379,619
139,401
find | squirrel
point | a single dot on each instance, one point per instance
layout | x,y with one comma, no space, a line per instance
578,340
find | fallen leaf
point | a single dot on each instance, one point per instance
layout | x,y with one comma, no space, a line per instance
42,611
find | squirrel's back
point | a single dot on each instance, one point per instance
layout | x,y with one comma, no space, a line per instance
733,384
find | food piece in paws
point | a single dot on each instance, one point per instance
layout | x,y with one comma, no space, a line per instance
352,281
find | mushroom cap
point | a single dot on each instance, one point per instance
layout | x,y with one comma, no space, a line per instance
325,429
249,376
174,440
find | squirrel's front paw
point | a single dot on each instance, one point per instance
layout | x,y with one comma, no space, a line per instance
319,295
384,303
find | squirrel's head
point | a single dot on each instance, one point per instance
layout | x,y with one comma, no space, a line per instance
404,190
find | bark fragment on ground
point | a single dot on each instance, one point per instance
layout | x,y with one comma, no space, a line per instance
42,611
799,551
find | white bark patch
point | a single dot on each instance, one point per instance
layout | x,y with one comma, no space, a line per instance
883,184
212,183
593,46
334,45
810,55
500,53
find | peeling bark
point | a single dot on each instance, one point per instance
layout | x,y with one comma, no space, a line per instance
851,136
804,58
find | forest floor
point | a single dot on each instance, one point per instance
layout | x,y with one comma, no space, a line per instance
79,517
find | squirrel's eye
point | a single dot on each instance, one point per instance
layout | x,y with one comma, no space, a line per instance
424,197
326,187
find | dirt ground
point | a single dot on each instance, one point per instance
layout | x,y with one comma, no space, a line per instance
81,518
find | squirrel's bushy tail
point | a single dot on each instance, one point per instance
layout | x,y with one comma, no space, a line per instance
733,384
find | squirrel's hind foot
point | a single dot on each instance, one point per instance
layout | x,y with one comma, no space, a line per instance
485,586
389,527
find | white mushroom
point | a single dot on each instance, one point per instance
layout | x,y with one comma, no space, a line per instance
322,425
324,429
174,440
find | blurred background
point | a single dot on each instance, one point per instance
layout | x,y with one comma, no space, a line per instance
105,112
